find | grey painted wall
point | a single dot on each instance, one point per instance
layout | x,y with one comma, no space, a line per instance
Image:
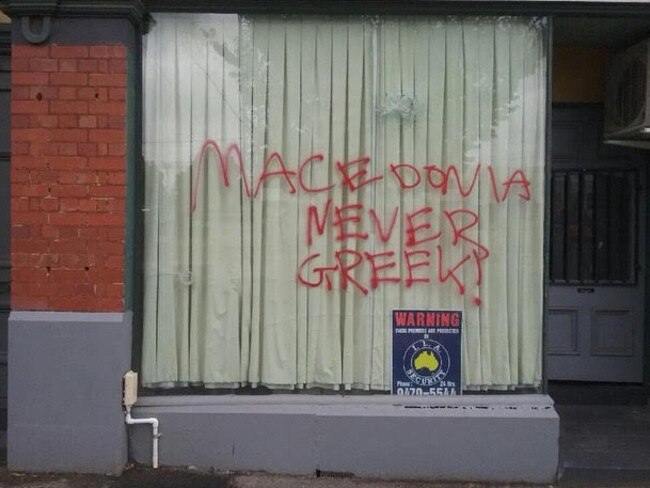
488,438
65,391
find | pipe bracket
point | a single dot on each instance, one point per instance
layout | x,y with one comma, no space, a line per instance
36,37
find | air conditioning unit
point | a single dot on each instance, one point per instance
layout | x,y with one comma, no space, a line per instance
627,96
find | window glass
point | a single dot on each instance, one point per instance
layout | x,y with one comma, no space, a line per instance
305,176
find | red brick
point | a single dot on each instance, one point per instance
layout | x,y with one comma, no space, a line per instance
70,135
43,64
116,149
117,205
68,149
107,275
20,176
19,64
67,275
69,205
107,219
32,245
19,148
68,51
50,205
106,135
70,261
41,260
68,92
108,108
85,290
19,259
95,79
29,107
19,232
68,219
19,204
73,244
115,289
30,190
106,191
99,94
43,148
29,218
88,232
68,122
69,191
38,134
87,66
88,205
87,149
21,121
111,304
70,232
116,122
117,66
66,177
21,78
28,162
113,178
117,94
107,162
29,303
68,107
99,52
86,177
88,121
43,92
50,231
107,247
48,121
69,79
68,65
30,50
20,92
73,214
35,206
68,162
118,51
42,176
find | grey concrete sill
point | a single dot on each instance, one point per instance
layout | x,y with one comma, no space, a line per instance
464,401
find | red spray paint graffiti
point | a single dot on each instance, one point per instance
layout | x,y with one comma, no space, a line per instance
436,245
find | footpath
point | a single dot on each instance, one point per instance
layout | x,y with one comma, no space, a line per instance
140,477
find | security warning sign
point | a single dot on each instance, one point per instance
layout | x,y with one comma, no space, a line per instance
426,352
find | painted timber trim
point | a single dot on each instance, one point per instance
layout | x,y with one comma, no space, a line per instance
634,8
134,10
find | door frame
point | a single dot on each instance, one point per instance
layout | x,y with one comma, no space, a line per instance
643,250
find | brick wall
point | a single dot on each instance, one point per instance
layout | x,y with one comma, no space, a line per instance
68,177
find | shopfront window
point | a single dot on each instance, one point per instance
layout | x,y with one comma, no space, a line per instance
306,176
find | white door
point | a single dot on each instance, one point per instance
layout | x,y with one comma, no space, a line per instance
596,295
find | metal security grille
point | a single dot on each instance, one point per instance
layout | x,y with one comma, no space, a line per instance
593,227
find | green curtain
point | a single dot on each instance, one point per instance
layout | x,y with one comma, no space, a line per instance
456,105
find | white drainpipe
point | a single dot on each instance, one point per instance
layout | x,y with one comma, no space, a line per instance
130,396
154,423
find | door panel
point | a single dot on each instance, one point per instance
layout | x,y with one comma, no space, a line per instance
596,295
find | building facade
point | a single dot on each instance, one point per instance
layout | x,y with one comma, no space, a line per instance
234,200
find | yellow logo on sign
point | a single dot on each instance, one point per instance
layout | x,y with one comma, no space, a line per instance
425,360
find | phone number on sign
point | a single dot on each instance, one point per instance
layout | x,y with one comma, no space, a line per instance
439,391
